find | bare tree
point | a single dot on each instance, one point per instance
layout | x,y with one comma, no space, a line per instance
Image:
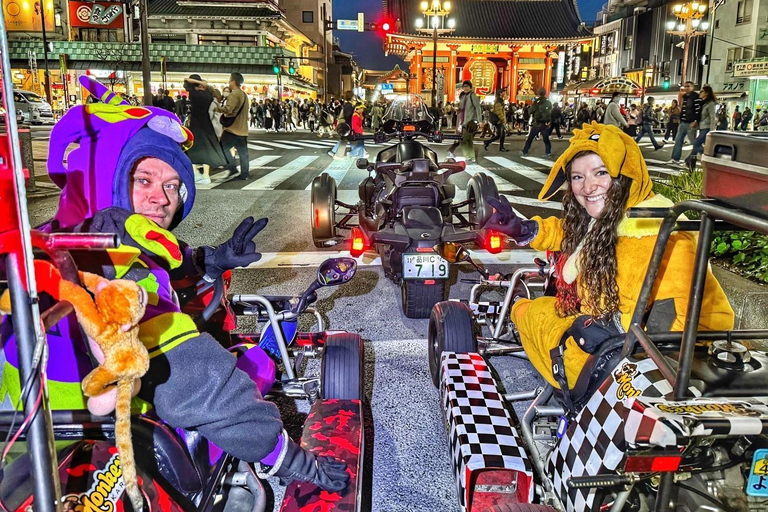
118,64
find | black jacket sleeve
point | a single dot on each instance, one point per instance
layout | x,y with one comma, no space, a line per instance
196,386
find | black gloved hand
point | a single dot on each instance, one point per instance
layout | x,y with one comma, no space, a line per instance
299,464
504,220
238,251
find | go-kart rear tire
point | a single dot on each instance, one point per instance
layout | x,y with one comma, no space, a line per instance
341,374
520,507
323,198
418,299
451,329
479,187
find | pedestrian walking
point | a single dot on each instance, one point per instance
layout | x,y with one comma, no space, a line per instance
736,119
746,117
346,112
467,123
253,110
647,119
541,117
707,122
235,120
215,113
206,152
582,116
674,121
358,145
498,118
613,114
557,119
690,113
180,107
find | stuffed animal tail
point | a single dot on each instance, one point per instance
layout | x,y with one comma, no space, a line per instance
125,443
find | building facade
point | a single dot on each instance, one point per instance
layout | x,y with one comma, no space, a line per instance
515,47
207,37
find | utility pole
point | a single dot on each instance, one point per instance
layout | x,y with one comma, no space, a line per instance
145,67
325,53
45,56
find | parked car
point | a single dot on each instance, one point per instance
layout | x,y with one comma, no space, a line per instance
19,116
36,110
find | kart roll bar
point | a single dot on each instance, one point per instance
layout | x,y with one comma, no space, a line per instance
711,211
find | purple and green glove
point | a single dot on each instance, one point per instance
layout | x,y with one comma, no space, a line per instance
238,251
505,220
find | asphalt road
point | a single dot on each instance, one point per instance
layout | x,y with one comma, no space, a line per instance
408,461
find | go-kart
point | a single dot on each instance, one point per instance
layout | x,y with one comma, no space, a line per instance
657,420
70,460
406,206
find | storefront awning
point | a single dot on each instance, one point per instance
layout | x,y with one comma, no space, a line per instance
732,95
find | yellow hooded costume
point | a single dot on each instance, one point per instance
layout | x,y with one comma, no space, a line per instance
537,321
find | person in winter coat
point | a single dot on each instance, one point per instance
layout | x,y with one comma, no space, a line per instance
206,152
469,115
674,121
746,117
498,118
141,185
613,114
736,119
582,116
706,124
603,255
358,145
541,112
557,119
690,114
646,120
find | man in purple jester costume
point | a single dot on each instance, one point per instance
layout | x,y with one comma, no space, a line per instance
129,175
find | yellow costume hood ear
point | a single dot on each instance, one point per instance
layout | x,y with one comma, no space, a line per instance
619,152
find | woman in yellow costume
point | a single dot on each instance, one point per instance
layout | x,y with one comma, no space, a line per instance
603,254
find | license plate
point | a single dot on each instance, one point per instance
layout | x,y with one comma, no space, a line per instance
758,474
425,266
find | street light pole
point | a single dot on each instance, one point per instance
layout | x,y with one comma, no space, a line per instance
687,24
47,74
146,71
435,13
434,65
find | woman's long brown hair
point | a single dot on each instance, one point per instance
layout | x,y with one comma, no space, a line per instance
598,293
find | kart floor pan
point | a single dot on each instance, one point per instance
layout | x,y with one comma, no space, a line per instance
489,463
333,428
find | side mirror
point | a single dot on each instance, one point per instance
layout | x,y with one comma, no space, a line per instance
343,129
362,163
336,271
451,252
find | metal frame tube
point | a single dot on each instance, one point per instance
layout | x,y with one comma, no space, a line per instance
44,470
526,427
696,297
274,322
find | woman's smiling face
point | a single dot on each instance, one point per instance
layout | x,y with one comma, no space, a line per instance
590,183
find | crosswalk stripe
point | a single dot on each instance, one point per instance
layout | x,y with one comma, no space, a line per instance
528,201
276,177
326,142
501,183
278,145
522,170
313,145
256,147
337,170
664,170
543,161
257,162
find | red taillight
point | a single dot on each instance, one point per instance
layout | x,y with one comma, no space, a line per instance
424,249
494,242
317,218
429,281
358,242
652,463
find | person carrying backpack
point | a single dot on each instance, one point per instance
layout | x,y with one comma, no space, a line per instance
541,114
646,119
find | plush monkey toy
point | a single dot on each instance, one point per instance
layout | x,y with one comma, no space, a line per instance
111,320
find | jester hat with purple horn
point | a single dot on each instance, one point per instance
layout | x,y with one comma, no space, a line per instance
111,138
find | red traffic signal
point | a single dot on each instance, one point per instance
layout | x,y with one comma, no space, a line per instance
381,26
386,27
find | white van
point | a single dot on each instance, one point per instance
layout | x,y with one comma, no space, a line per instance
36,110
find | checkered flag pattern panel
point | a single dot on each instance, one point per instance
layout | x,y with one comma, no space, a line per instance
481,431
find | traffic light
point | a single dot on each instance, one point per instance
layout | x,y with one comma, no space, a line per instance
291,68
665,84
276,68
384,27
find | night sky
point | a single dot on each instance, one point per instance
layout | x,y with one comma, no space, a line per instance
367,46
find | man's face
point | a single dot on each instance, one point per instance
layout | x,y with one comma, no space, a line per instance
155,188
688,88
466,88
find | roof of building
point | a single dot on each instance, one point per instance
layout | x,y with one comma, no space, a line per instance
498,19
211,9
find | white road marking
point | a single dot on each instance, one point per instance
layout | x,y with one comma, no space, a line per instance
259,162
546,162
337,169
313,145
664,170
279,145
522,170
315,258
258,148
276,177
528,201
501,183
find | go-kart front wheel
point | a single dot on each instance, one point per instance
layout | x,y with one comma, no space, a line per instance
451,329
419,298
323,196
341,374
